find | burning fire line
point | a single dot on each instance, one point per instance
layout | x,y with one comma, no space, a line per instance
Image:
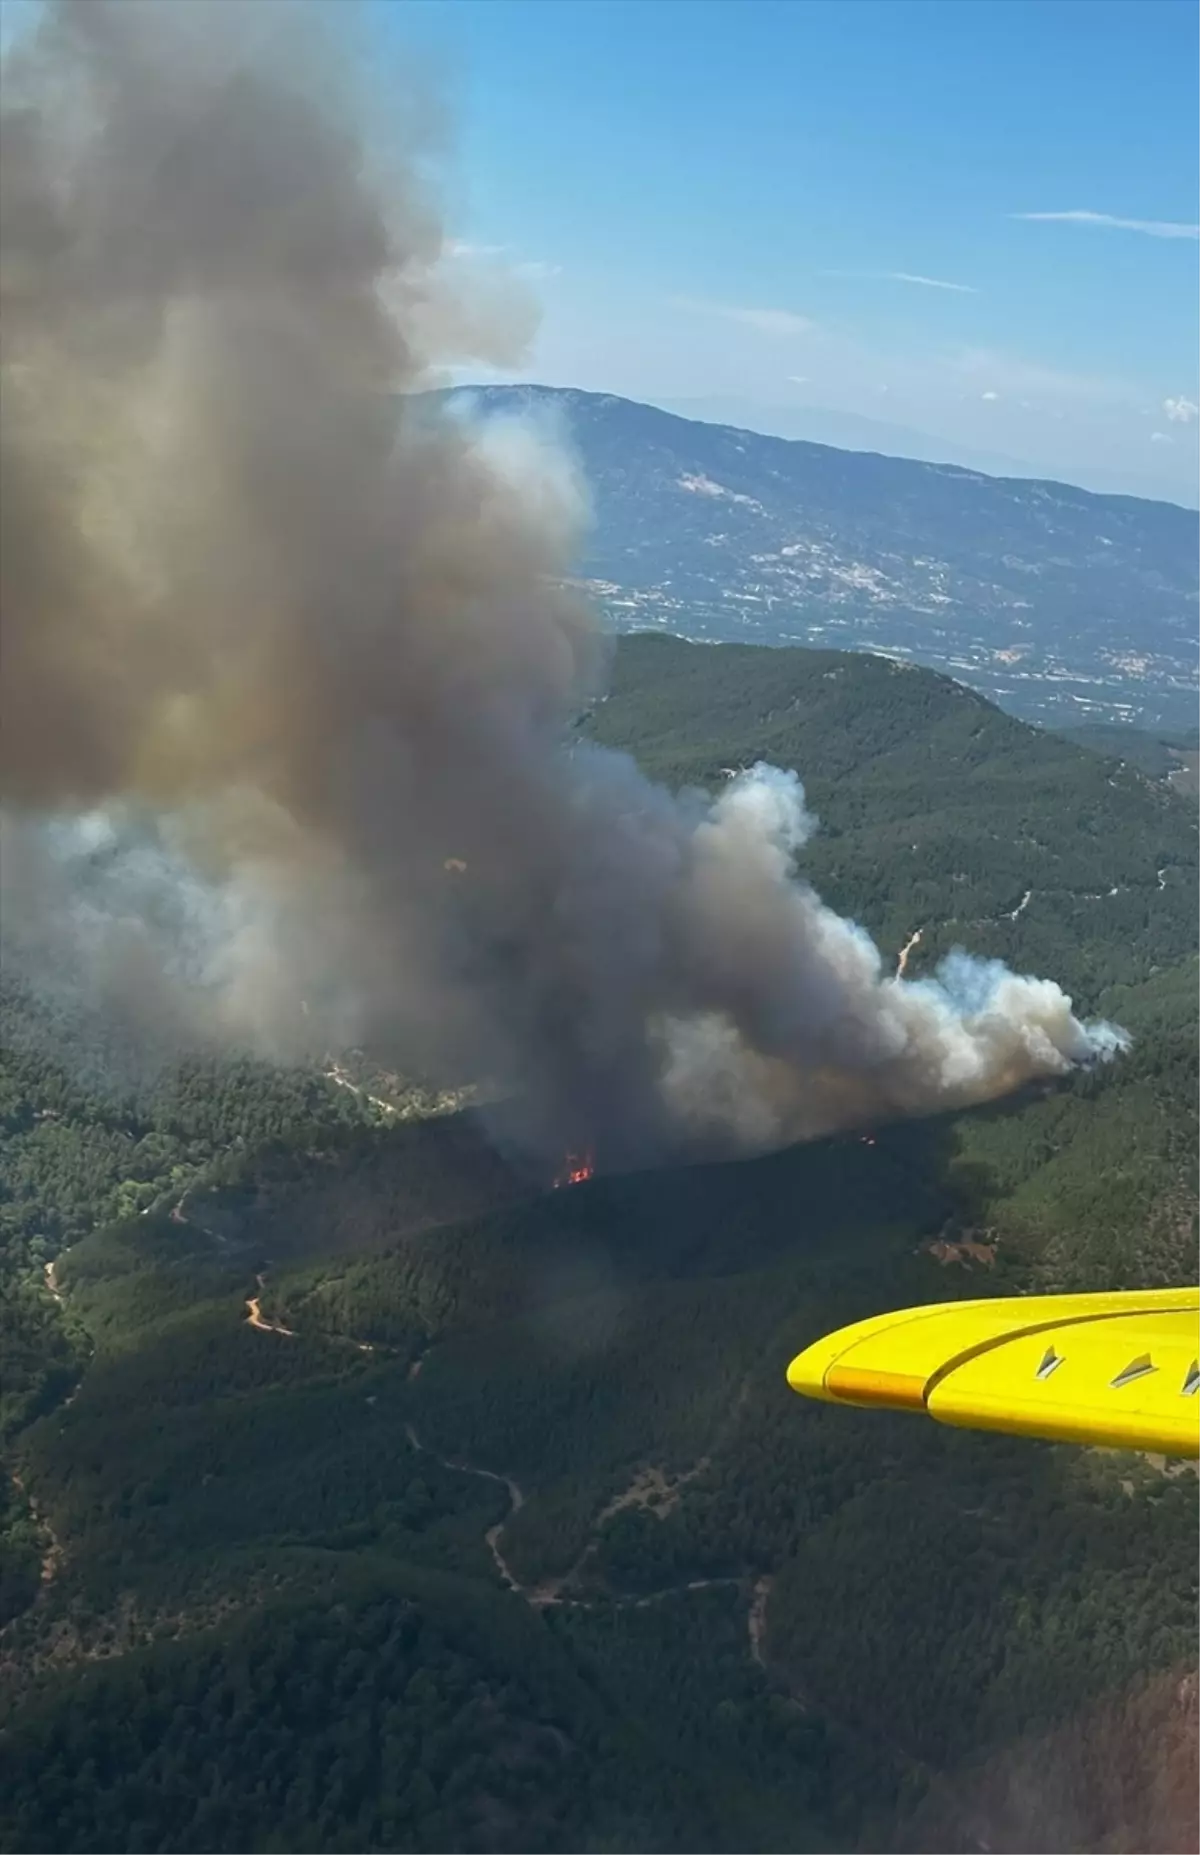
576,1167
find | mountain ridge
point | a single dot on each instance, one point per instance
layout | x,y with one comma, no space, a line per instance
858,432
1058,603
533,391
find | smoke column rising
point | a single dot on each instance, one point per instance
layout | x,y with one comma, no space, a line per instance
283,653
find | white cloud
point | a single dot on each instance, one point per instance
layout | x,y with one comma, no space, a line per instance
1182,411
989,395
1160,438
776,322
532,268
926,283
798,379
932,283
1153,228
770,321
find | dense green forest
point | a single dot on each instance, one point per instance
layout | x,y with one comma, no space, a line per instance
361,1494
1158,754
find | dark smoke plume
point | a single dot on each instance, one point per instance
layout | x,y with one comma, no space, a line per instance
289,667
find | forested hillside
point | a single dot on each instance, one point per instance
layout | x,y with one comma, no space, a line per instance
1172,756
362,1494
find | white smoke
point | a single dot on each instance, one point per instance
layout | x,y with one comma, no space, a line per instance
844,1042
291,662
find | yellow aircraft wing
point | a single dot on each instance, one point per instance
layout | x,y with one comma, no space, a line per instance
1121,1370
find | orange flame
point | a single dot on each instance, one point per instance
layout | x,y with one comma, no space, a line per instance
576,1167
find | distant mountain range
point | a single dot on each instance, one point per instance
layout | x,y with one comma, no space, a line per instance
855,431
852,431
1058,603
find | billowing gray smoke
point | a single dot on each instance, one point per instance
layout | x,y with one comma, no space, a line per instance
289,668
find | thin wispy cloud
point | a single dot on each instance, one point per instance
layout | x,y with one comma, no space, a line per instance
1152,228
925,283
532,268
932,283
776,322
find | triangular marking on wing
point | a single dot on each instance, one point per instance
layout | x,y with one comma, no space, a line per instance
1137,1368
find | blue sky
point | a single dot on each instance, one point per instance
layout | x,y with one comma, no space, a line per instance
771,211
764,203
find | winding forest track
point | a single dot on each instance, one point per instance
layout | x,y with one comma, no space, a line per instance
335,1073
914,940
53,1556
255,1316
516,1501
550,1593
